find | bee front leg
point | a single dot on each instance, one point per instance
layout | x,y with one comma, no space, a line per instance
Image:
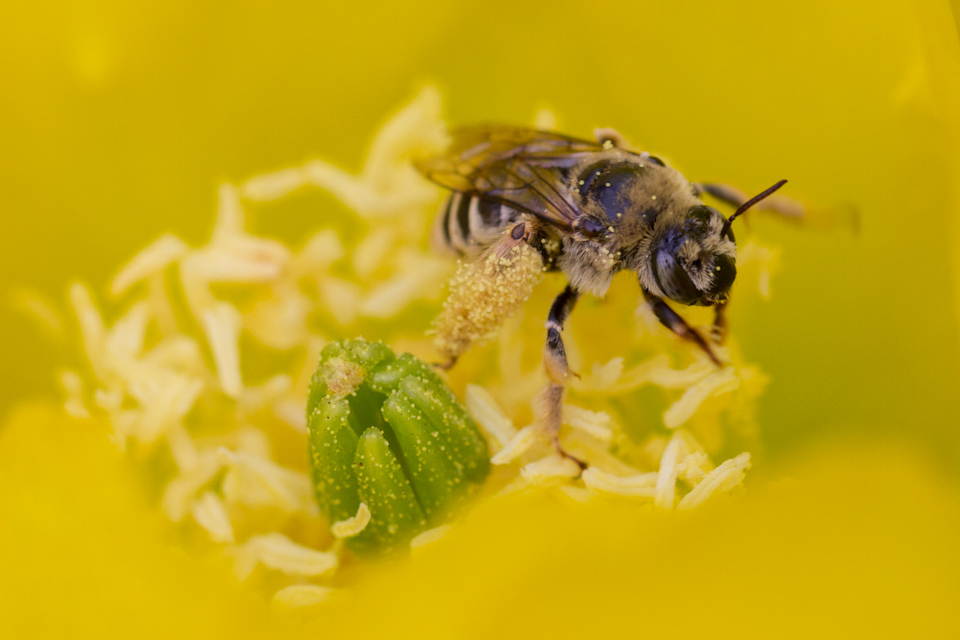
720,321
555,362
672,320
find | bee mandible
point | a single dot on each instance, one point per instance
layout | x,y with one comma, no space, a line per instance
526,201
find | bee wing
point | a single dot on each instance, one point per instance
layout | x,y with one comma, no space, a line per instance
523,168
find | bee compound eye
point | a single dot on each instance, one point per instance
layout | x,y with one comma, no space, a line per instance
724,273
670,274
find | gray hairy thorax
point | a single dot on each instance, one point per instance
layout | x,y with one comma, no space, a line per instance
652,199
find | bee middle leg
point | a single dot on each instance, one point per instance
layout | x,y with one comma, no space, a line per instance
673,321
555,362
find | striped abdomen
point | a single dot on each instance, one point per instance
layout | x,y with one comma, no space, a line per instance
467,224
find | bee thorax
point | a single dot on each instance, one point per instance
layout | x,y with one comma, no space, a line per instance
589,266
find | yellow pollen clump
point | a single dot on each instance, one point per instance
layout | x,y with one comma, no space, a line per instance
483,294
346,377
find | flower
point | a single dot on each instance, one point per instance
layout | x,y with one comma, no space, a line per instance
224,441
871,527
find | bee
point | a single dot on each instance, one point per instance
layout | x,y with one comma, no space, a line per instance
526,201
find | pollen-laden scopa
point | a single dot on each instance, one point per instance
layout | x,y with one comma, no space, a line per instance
486,292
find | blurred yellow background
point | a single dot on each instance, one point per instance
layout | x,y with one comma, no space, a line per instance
119,119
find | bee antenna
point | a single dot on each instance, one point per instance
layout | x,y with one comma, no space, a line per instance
749,203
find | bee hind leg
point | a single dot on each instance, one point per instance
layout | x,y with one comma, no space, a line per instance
673,321
555,363
734,197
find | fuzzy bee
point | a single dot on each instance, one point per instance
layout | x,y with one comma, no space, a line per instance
526,201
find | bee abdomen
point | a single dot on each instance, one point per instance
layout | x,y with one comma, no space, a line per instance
467,224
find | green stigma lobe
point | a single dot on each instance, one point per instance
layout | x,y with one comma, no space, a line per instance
387,431
396,515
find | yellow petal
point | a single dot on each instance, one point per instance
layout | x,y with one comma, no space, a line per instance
83,553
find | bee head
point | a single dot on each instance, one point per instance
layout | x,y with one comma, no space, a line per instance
694,262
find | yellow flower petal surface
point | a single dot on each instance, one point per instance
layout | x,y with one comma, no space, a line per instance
84,555
855,544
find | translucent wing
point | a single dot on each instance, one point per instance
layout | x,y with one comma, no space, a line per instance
523,168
